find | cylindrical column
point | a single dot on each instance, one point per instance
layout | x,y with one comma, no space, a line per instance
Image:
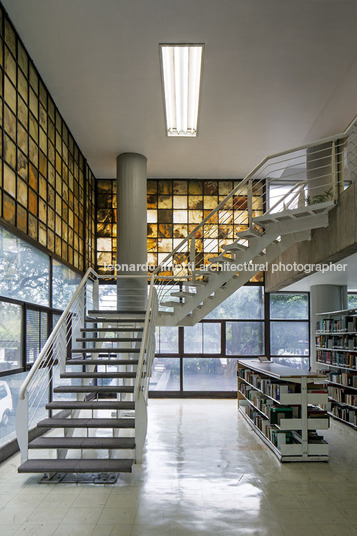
324,298
132,233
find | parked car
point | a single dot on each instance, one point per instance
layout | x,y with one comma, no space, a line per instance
6,405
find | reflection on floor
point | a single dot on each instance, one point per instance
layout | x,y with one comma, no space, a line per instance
205,473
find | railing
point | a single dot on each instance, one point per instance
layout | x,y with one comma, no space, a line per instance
299,177
51,362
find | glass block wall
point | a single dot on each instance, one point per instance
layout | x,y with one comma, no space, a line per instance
46,187
174,209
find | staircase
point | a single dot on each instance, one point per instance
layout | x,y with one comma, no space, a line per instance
96,421
98,362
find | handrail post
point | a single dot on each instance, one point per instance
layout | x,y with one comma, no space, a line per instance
193,257
22,425
335,188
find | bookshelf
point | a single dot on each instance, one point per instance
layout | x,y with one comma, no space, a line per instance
281,404
336,353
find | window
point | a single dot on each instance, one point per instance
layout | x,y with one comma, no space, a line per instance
10,336
209,374
165,374
36,334
244,338
246,303
352,300
24,270
289,324
64,284
167,340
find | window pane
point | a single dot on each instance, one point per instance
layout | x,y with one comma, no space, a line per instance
24,270
289,338
65,282
244,338
167,340
108,297
9,386
32,335
209,374
352,301
165,374
289,306
44,328
211,338
10,336
193,339
300,363
246,303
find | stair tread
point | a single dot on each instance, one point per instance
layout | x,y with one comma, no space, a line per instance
105,350
55,422
94,389
82,442
194,284
235,246
98,375
221,258
76,466
90,404
104,361
115,320
108,339
183,294
117,312
109,330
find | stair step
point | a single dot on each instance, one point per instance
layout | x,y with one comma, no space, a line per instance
206,272
105,350
249,233
76,466
114,320
104,361
116,312
98,375
82,443
109,330
235,246
108,339
90,404
194,283
221,259
183,294
55,422
171,304
94,389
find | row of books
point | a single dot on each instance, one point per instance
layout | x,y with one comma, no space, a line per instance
346,414
349,379
269,387
275,436
342,359
339,395
339,342
343,323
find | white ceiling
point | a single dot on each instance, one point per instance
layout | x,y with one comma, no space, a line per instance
348,276
276,73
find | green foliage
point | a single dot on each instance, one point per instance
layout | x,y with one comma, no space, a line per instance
320,198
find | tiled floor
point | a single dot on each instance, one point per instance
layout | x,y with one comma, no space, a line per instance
205,473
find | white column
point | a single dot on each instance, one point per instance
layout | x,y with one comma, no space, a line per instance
132,232
324,298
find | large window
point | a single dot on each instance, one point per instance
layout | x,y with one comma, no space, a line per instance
24,270
10,336
289,325
64,284
202,358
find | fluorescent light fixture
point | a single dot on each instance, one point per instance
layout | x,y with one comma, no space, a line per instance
181,68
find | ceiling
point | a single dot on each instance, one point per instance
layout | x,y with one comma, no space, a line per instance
276,74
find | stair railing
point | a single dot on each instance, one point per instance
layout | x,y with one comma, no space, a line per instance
51,361
313,173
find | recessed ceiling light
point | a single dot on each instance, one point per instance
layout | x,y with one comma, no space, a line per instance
181,69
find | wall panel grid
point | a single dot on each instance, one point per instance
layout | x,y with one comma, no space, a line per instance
46,187
174,209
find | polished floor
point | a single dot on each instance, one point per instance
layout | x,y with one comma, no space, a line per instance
205,473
